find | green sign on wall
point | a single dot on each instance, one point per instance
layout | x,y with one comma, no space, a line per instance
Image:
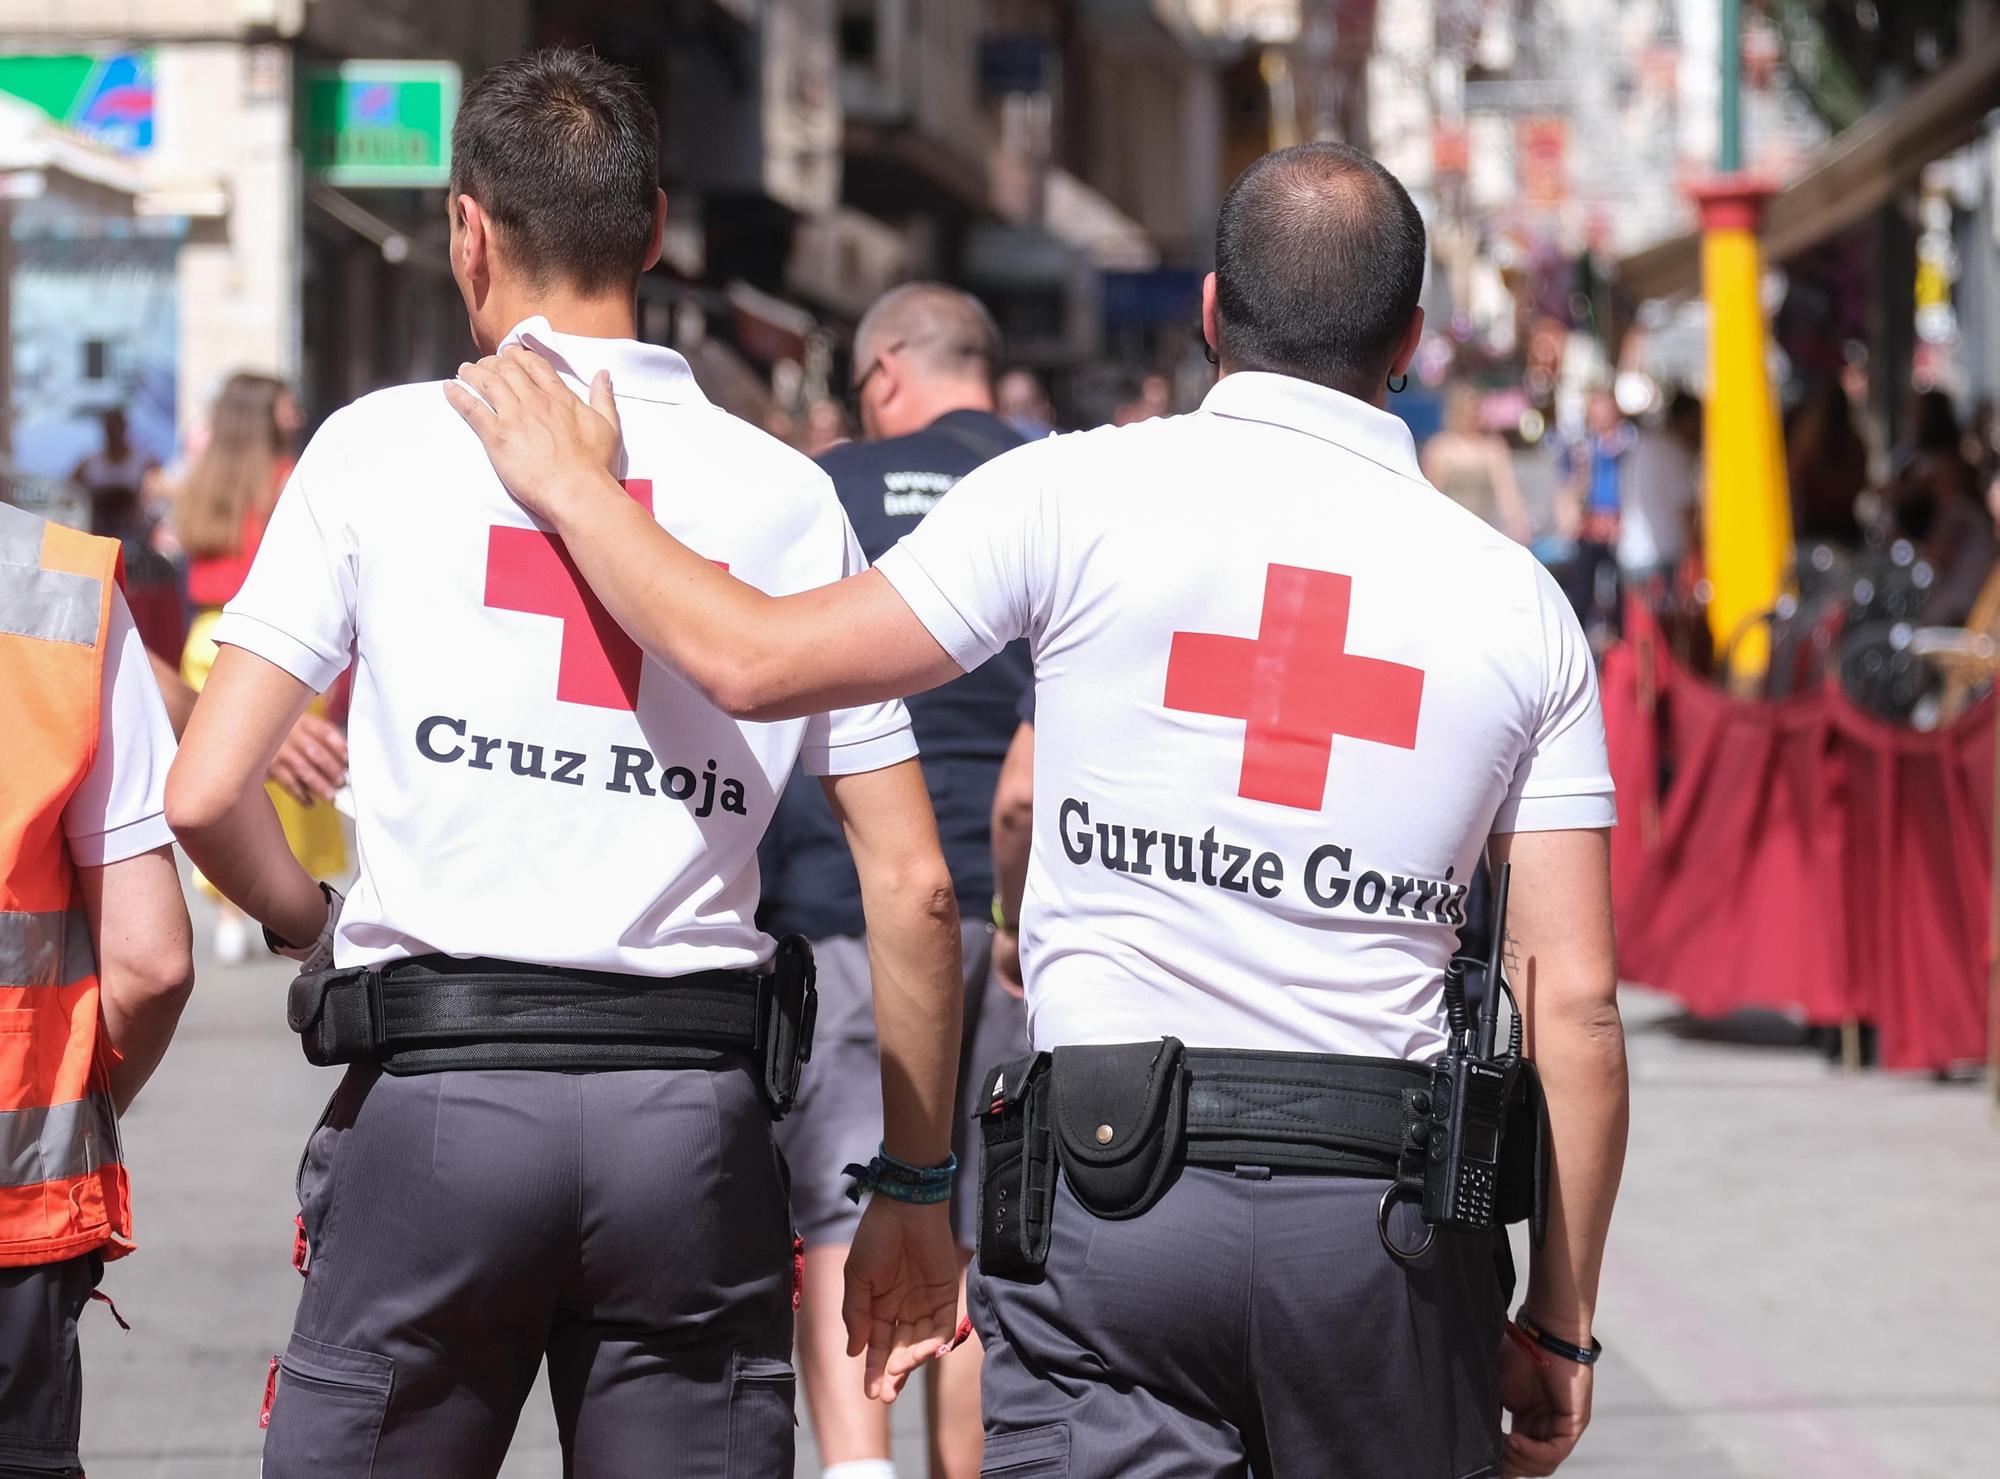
380,123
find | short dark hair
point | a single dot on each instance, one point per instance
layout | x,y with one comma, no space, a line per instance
1319,261
562,151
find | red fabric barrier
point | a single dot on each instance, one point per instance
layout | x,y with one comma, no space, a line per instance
1804,855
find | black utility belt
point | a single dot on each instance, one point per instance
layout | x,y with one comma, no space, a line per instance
1120,1121
436,1013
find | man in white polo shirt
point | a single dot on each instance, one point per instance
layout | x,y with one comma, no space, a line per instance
1286,694
568,1036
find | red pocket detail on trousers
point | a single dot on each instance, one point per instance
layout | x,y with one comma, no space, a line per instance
301,1249
798,1271
270,1394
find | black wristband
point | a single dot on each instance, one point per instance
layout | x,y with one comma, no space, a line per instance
1555,1345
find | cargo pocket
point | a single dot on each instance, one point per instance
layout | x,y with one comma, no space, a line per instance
760,1417
328,1412
1032,1453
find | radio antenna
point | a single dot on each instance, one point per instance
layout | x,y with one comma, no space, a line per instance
1489,1006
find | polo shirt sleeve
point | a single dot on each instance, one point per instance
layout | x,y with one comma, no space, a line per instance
1563,780
852,741
974,570
296,608
119,811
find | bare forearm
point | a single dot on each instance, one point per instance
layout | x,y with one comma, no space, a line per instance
1582,1063
145,961
246,857
913,953
1014,821
139,1021
753,656
681,608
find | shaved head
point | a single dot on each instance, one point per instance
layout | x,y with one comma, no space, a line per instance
939,332
1319,262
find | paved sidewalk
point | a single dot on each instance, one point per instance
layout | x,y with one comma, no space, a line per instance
1802,1282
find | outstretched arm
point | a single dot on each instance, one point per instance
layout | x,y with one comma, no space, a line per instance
902,1272
754,656
1559,959
216,801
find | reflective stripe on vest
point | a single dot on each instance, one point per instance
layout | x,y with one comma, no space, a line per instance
57,1142
48,948
53,605
62,1189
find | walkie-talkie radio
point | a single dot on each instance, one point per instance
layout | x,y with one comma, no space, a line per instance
1460,1120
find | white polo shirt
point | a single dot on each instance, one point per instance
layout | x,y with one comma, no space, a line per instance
527,784
1285,691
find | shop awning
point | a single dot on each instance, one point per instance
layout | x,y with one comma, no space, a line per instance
1853,175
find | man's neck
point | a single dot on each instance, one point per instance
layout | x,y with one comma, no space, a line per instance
942,400
604,316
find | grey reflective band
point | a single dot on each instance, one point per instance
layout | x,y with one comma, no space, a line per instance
20,537
45,949
52,605
58,1142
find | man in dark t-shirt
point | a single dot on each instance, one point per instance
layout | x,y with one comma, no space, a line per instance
924,360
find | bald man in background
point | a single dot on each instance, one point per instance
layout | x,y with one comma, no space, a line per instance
924,362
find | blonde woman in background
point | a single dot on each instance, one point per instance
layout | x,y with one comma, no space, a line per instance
1473,468
220,515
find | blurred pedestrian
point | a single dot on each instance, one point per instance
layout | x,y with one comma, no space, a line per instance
1660,510
1023,403
95,964
826,426
924,359
220,513
1592,468
1935,501
1826,464
116,466
1474,468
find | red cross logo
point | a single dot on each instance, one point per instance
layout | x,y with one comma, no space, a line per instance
527,570
1295,686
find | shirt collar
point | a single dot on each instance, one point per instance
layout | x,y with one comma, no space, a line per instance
647,372
1300,405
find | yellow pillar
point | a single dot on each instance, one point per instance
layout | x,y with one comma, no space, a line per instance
1747,520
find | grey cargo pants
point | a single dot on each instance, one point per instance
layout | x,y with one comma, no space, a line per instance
1249,1323
631,1227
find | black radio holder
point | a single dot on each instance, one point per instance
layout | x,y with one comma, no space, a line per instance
1455,1130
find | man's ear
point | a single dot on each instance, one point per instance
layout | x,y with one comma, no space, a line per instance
475,238
1412,337
1208,328
659,230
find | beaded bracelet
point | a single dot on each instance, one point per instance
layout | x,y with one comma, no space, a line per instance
900,1181
1555,1345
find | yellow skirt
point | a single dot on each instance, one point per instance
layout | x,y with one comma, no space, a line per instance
312,829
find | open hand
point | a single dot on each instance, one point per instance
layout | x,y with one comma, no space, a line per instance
902,1291
311,764
543,441
1550,1405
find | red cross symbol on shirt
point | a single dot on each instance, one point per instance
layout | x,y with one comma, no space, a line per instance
1295,686
527,570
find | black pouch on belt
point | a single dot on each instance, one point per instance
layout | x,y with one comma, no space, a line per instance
1121,1122
336,1015
1524,1154
788,1006
1017,1170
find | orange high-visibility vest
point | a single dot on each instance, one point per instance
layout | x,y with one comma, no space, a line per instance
63,1191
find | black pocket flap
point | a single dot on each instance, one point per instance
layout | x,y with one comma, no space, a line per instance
305,999
1111,1099
1120,1115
